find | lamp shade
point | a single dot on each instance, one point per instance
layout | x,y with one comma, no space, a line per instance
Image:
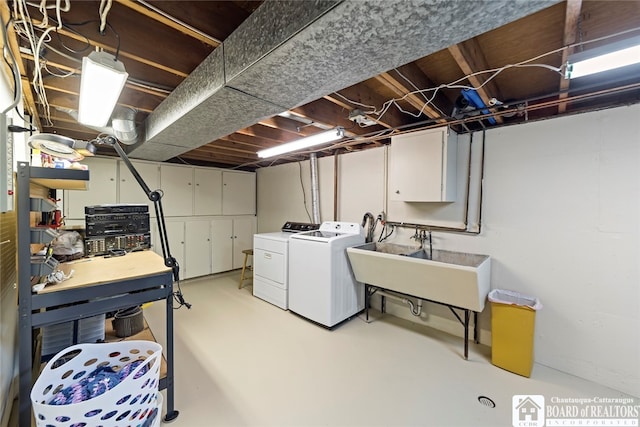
103,78
310,141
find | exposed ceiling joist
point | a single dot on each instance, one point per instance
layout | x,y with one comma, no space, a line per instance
470,58
571,21
156,14
417,101
121,53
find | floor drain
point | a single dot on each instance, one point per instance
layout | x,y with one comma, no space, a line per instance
484,400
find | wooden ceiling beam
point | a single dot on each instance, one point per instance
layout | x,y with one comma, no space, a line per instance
224,145
268,133
402,90
299,129
363,94
246,140
571,20
122,53
172,22
470,59
149,90
329,114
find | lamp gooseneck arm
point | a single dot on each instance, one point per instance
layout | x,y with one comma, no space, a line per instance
156,197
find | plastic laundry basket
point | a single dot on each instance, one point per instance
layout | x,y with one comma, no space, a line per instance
513,318
132,402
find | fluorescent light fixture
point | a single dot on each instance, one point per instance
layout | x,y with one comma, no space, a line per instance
617,55
309,141
103,78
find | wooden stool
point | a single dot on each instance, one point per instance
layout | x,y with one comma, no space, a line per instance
247,253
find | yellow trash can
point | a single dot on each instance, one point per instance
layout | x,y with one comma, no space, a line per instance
513,318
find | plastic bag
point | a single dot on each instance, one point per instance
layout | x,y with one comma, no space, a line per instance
68,246
504,296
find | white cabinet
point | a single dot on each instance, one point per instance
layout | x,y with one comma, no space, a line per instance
102,188
221,245
176,236
238,193
229,237
176,183
130,190
198,248
422,166
207,192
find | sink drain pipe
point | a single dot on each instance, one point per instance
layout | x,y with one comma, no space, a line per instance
416,309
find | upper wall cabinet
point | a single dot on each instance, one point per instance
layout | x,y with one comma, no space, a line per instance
422,166
177,185
238,193
102,188
207,192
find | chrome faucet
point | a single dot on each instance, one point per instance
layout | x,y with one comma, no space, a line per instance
422,236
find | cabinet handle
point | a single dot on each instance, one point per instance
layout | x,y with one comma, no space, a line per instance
189,183
267,256
397,191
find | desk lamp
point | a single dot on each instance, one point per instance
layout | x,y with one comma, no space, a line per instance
70,149
156,197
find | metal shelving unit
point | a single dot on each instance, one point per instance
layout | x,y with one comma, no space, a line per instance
38,310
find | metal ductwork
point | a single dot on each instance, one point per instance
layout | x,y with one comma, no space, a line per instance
123,124
289,53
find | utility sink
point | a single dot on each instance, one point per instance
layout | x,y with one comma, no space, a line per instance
458,279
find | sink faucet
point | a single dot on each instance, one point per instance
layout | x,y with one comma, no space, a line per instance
422,236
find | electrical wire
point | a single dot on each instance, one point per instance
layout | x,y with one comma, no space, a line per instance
105,7
372,110
15,71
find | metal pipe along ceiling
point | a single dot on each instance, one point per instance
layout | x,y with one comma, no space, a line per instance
334,44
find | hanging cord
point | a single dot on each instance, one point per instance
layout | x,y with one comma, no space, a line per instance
105,6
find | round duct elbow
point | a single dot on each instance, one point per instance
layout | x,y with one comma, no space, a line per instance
124,125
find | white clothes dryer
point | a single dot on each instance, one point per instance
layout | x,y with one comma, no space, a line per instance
271,263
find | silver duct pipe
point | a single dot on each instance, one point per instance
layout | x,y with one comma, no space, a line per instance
123,124
315,202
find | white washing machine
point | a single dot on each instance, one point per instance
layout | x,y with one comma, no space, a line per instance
271,263
322,287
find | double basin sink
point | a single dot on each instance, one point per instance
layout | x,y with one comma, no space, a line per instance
458,279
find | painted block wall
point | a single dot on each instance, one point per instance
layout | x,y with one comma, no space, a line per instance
561,204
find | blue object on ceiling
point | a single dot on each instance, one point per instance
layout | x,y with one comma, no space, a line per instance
474,99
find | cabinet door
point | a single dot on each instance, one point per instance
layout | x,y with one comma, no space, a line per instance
176,237
207,196
102,188
238,193
418,163
198,248
221,245
176,184
243,231
130,190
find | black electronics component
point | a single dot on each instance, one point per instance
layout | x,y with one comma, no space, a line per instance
125,242
116,209
116,224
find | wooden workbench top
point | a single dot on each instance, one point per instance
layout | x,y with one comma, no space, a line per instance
97,270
